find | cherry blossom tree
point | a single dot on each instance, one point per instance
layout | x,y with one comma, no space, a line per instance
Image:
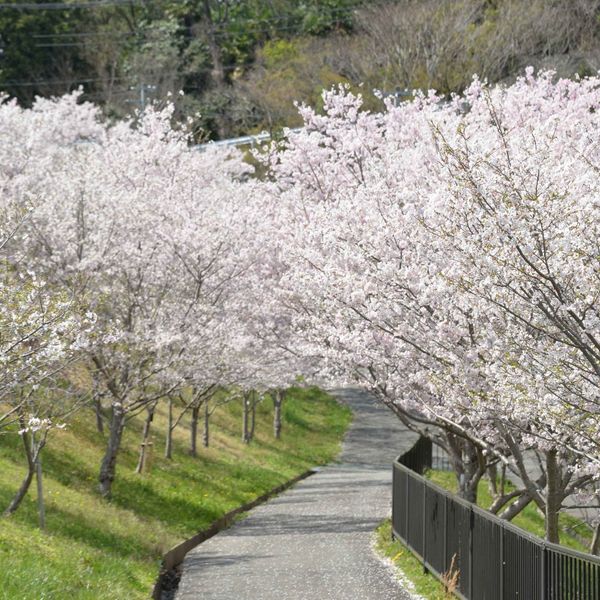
131,222
399,275
37,334
442,253
520,216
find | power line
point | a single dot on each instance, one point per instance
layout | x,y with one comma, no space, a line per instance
67,5
140,36
108,79
55,82
109,3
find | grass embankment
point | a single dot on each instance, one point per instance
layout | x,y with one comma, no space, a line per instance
100,550
573,533
408,564
573,530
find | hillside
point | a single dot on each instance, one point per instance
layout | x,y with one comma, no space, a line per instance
94,549
243,64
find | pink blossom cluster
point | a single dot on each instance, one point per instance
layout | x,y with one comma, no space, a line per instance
445,254
149,246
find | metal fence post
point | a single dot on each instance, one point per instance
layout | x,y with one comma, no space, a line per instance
543,572
446,565
471,526
501,562
394,516
406,510
425,570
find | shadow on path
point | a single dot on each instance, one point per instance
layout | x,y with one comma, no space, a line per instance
314,541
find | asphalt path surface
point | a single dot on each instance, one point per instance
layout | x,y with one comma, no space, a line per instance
314,540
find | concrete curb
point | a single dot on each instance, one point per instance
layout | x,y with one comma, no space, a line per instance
175,556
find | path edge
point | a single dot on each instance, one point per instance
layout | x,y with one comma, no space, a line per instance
175,556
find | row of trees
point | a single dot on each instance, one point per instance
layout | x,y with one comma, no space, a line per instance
443,254
131,275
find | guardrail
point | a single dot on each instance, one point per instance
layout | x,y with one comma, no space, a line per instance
244,140
490,558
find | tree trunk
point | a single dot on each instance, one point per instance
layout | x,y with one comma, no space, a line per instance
501,500
169,440
553,497
24,487
145,437
516,507
109,460
194,430
97,396
277,402
595,545
218,72
206,432
99,417
468,464
253,403
40,488
245,431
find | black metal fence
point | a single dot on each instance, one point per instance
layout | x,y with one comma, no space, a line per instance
490,559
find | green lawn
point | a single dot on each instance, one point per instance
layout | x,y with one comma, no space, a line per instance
424,584
531,519
99,550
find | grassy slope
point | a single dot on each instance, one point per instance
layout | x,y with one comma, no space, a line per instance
99,550
426,584
530,519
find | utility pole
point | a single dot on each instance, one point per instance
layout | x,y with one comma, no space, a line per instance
144,88
398,95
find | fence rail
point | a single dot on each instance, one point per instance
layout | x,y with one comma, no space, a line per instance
492,559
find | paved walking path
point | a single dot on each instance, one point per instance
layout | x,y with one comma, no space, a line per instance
314,541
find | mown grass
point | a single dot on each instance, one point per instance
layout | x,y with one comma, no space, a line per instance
94,549
530,519
424,584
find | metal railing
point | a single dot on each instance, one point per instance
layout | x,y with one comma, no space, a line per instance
245,140
489,558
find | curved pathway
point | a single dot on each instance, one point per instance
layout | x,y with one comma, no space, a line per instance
313,541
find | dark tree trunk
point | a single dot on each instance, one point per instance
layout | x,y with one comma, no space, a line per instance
109,460
97,396
24,487
218,72
40,486
516,507
169,440
145,437
501,500
99,416
253,403
469,466
206,432
595,545
277,402
194,431
554,496
245,415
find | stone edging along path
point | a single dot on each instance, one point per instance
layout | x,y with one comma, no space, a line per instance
168,577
